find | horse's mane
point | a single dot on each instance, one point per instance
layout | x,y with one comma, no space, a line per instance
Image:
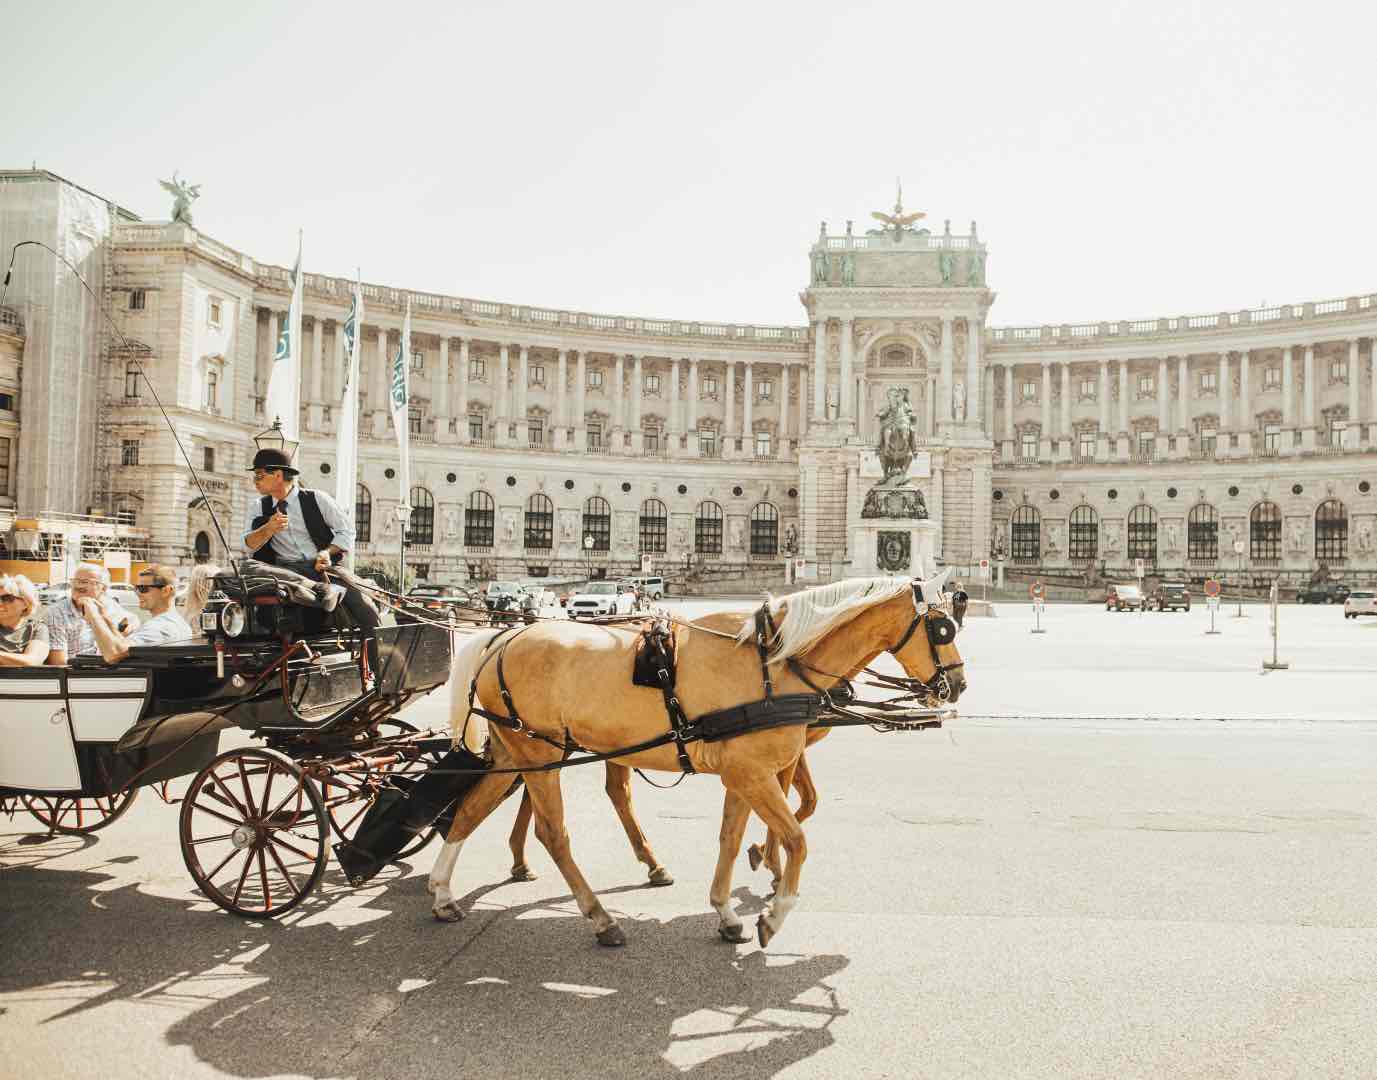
811,615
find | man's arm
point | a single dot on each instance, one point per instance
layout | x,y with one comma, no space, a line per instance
112,644
256,538
342,538
33,655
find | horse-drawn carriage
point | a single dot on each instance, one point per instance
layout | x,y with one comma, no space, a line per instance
78,743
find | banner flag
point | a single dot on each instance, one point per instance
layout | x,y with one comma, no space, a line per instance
347,426
282,400
401,398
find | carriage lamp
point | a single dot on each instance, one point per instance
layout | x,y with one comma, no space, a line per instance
274,438
226,619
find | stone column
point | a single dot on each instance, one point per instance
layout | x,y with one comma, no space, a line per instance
1183,379
1372,405
315,412
1245,404
1009,402
579,421
1308,418
1163,397
729,421
1351,434
1065,401
463,425
1288,388
562,395
334,386
944,382
1224,392
988,413
1123,399
379,397
619,397
819,369
692,423
847,403
1104,397
748,410
501,390
675,427
974,333
439,394
802,428
783,404
637,383
523,389
1046,400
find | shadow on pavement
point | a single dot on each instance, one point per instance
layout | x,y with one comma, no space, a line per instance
368,984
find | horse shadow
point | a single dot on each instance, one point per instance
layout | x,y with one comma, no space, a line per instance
366,983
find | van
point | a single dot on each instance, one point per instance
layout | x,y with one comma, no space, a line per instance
652,587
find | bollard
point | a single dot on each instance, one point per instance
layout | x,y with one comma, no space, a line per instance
1274,664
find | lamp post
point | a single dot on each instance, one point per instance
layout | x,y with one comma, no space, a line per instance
403,511
274,438
588,555
1238,550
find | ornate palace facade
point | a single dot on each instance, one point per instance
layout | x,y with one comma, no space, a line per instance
1177,440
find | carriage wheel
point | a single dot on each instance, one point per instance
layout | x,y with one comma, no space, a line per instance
346,803
79,816
254,832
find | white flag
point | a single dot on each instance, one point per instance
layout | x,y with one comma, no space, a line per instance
347,429
401,398
283,400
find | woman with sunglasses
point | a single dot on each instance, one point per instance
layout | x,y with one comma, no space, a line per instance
23,637
155,588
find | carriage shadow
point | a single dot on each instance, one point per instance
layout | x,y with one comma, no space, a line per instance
367,984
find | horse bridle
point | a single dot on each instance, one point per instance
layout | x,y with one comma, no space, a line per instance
941,630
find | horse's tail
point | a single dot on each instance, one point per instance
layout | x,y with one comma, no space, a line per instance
467,727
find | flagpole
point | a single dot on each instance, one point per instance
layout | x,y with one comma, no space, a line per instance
347,431
401,420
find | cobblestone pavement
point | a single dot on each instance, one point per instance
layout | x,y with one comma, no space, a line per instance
1068,896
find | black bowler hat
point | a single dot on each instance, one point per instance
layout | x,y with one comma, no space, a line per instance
273,459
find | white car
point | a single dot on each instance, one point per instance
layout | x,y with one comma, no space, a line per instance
1360,602
652,587
599,598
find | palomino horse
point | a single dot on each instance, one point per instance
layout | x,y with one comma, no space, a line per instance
829,633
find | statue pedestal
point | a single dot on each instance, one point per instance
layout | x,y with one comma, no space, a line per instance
892,546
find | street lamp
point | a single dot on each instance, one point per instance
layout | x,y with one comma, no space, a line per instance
274,438
403,511
588,555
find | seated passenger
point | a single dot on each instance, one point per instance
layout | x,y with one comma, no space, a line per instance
198,590
155,587
23,635
68,631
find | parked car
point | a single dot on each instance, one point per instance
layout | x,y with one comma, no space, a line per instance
1324,592
1360,602
600,598
443,600
500,588
653,587
1173,595
1119,597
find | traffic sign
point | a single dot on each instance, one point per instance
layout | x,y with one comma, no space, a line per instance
984,569
1036,590
1211,587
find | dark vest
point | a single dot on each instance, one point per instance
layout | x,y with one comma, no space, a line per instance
321,534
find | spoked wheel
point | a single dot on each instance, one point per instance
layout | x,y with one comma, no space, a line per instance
347,801
79,816
255,834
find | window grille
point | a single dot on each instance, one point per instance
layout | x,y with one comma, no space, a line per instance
421,527
540,523
1142,533
1264,532
479,516
1202,534
764,529
1331,531
1025,535
654,527
1085,534
707,529
597,522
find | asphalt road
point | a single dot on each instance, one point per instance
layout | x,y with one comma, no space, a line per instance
1038,896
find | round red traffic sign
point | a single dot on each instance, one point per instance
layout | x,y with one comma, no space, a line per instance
1036,590
1211,587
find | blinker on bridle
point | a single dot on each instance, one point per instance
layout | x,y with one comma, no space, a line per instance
941,630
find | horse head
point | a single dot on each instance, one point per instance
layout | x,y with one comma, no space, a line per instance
927,651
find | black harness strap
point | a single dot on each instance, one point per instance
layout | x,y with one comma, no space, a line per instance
764,634
659,642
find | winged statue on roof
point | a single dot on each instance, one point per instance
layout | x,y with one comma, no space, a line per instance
183,195
897,221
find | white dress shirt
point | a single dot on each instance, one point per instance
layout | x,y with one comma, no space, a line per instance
294,542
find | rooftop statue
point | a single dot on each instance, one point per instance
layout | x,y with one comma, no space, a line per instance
898,222
183,195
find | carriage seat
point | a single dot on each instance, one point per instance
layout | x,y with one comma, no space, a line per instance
261,583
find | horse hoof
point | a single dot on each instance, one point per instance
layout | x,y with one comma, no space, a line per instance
450,912
612,937
754,857
735,935
661,876
522,873
763,932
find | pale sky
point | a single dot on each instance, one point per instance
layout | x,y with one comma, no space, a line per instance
1123,160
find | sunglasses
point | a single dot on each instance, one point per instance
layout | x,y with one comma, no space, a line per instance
10,599
263,474
150,588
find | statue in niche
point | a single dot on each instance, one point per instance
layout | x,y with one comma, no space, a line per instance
1297,537
820,268
898,439
451,524
567,527
975,273
1111,539
946,263
1053,536
1364,538
183,195
790,539
848,268
509,525
738,534
958,400
389,524
1173,536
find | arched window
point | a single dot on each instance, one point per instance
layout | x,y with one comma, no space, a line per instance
1142,533
1202,534
1025,535
1264,532
479,515
363,515
422,526
1331,531
1085,534
707,529
540,523
202,544
764,529
654,527
597,523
